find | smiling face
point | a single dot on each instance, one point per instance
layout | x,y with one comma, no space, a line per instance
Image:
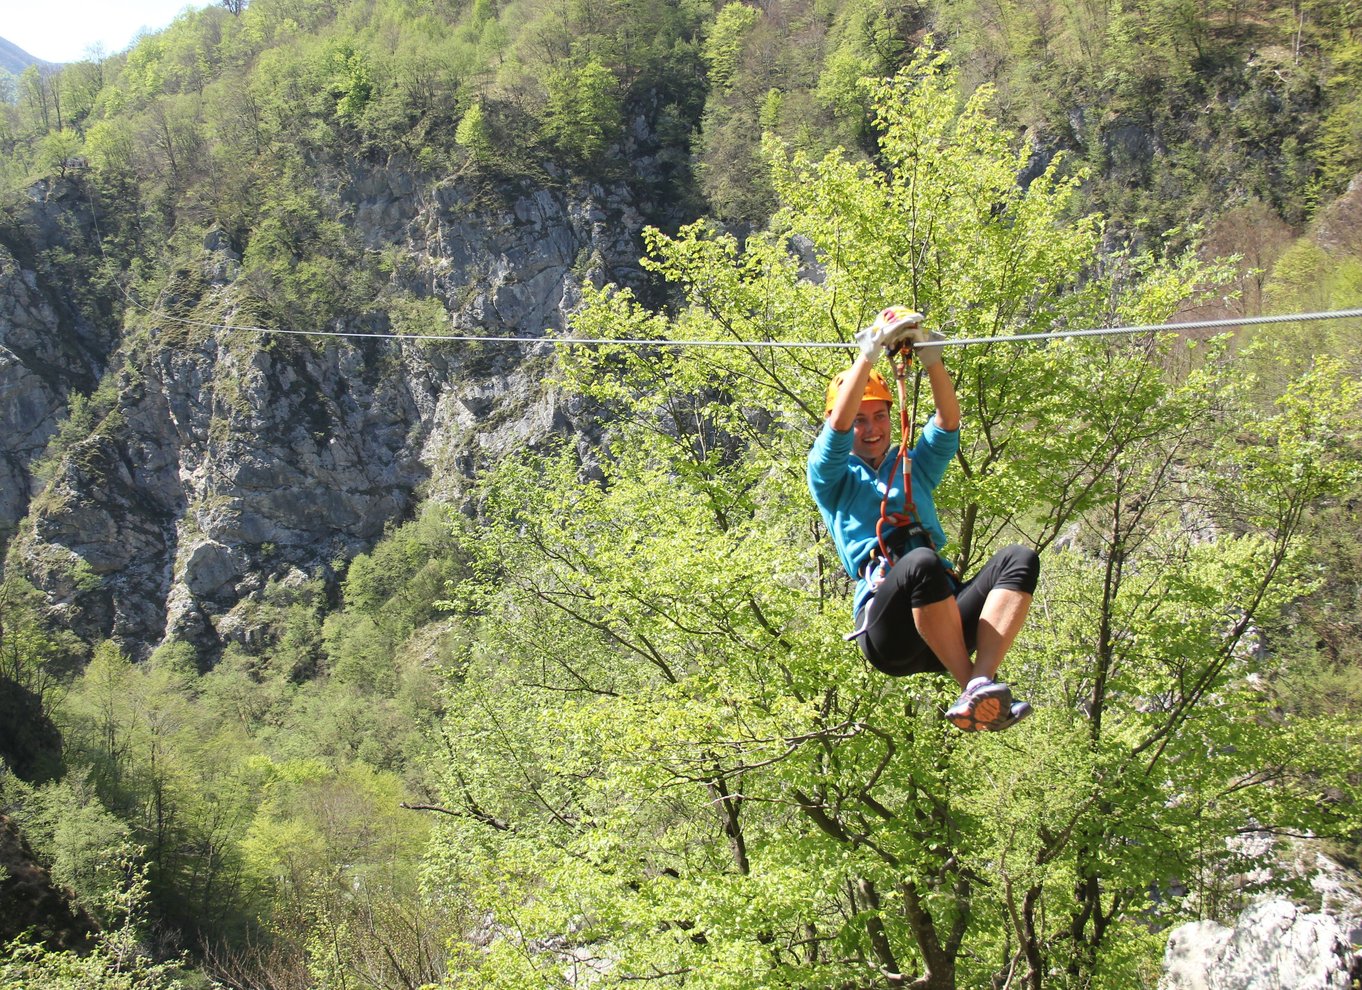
872,431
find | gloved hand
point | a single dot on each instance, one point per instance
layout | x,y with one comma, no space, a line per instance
926,356
894,326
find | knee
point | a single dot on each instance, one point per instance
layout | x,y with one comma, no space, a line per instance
923,572
1021,570
922,562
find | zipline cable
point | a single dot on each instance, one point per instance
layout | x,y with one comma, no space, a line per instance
1245,321
1339,314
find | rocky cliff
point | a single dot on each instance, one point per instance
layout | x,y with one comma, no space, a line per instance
216,458
54,340
1276,943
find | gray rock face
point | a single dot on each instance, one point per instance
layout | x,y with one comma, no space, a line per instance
48,347
1274,945
235,457
30,406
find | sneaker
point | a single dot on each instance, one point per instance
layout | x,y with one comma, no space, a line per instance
1019,711
980,708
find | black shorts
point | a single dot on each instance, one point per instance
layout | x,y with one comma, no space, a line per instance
891,641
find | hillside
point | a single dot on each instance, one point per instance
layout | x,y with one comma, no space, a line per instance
345,650
14,59
365,184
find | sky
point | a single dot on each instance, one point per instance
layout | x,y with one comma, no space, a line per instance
65,30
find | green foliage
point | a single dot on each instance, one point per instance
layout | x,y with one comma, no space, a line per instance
58,152
724,42
24,966
87,849
583,110
1307,278
35,662
472,134
215,93
300,262
653,757
390,75
299,748
391,593
665,764
865,39
118,960
750,57
86,417
353,84
169,773
1339,149
339,854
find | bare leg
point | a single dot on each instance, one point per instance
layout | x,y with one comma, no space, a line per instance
1002,617
939,626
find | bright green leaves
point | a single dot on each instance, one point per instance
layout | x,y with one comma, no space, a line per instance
584,108
660,729
1281,465
636,670
352,83
665,764
472,134
724,43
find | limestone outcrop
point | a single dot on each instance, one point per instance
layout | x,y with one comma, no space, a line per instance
1274,945
52,342
222,458
1275,942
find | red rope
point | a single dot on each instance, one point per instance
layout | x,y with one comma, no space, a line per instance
899,363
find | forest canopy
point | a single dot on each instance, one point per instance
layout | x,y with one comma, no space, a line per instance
695,777
601,726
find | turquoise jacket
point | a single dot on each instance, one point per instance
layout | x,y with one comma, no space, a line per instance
848,492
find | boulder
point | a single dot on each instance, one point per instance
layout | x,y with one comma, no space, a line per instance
1274,945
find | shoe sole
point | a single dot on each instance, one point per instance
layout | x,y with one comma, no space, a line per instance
1020,709
985,711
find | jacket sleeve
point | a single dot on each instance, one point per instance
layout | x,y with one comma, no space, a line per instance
934,450
828,466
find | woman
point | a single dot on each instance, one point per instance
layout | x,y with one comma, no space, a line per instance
912,614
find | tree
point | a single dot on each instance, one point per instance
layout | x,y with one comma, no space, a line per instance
333,850
81,84
1258,236
172,775
117,961
664,764
41,98
724,42
472,134
583,111
35,664
59,152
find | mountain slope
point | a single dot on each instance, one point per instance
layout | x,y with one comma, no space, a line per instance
15,60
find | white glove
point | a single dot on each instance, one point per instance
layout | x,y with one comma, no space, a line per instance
927,357
894,326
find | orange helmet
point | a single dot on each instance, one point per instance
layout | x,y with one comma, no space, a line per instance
875,388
